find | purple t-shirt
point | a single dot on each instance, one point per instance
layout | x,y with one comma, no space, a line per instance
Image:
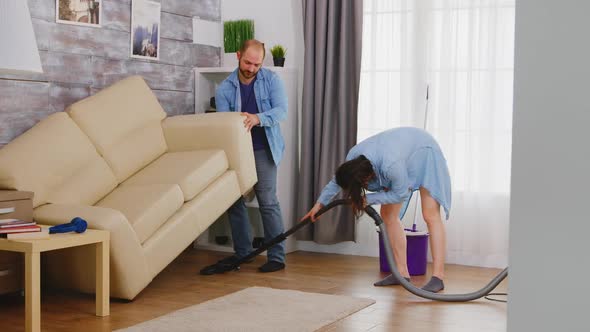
249,105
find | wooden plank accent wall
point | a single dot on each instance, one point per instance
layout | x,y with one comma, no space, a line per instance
79,61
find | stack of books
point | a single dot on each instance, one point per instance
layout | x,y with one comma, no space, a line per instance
20,229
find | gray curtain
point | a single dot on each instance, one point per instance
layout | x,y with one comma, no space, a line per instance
332,34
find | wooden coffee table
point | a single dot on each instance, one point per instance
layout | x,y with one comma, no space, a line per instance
32,250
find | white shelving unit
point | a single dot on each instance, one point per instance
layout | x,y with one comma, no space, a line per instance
206,82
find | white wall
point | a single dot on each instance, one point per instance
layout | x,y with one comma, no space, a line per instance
549,222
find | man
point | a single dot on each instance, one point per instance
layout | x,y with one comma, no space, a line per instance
259,95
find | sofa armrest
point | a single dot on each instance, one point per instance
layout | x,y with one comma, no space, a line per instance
129,269
96,217
224,131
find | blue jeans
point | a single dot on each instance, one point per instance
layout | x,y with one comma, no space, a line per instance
270,211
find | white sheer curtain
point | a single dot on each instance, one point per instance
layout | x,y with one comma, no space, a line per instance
462,50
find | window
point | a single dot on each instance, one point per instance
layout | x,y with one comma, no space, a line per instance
461,51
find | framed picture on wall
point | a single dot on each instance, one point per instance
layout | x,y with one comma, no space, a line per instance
79,12
145,29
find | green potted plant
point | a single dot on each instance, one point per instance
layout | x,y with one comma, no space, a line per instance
234,34
278,55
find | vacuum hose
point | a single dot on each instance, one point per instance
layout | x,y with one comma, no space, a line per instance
408,285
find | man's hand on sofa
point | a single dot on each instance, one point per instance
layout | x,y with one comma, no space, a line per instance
250,121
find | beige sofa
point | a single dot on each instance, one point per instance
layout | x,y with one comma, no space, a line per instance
116,160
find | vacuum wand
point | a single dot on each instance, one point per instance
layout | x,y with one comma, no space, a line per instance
281,237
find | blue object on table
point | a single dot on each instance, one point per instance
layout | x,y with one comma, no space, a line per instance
77,225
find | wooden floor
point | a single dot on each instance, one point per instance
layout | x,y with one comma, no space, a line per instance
180,286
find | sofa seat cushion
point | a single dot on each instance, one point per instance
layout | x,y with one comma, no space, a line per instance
193,171
147,207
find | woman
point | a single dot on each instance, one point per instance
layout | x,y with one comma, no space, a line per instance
392,165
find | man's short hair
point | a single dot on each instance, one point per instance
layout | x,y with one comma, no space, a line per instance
250,43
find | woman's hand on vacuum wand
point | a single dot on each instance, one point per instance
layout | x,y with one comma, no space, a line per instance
313,212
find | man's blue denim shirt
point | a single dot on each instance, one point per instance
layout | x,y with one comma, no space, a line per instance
271,100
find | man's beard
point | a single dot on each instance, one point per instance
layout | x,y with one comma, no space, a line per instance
247,74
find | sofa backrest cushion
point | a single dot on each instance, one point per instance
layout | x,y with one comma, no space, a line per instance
57,161
124,123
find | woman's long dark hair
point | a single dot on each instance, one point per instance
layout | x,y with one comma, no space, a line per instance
352,177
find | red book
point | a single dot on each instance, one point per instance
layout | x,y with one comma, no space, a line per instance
17,223
22,229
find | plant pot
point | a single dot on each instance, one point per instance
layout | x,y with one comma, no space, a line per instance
229,60
279,62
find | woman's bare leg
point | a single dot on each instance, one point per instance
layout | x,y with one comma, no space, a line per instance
438,244
397,238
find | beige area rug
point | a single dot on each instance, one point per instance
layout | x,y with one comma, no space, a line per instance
258,309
